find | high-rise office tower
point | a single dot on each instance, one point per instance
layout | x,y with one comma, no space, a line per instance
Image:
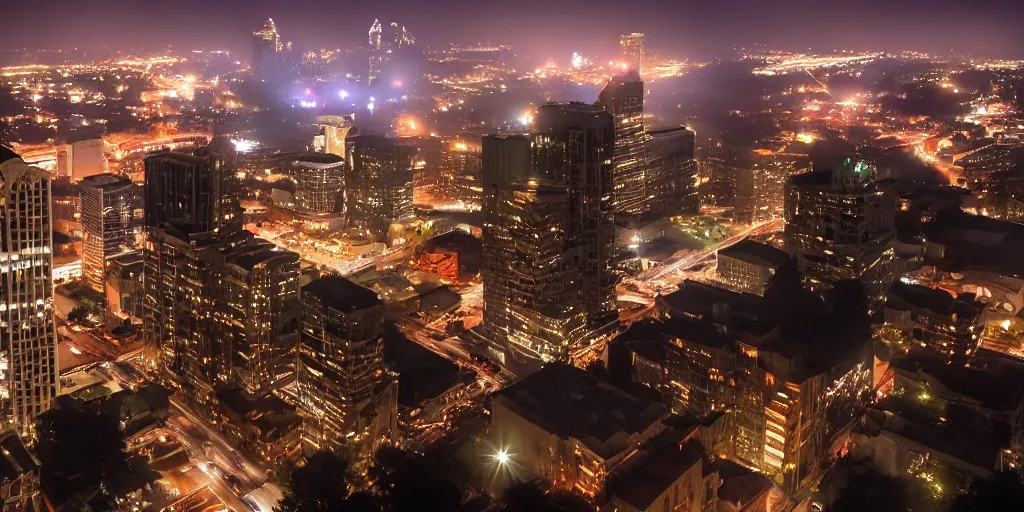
545,317
191,213
347,400
840,224
319,182
379,184
623,97
574,145
258,315
549,234
266,50
672,172
459,180
632,47
107,208
506,159
28,356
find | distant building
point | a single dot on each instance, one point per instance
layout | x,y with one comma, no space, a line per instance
348,401
623,97
384,44
28,359
107,212
749,266
770,173
570,428
460,177
336,129
726,177
840,224
87,159
379,184
266,50
123,287
671,181
632,48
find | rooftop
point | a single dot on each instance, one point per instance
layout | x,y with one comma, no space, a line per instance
338,293
16,459
571,403
7,154
259,252
659,465
757,253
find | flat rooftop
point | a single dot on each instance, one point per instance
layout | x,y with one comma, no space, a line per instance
571,403
339,293
756,253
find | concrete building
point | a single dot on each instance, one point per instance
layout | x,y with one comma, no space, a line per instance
840,224
28,359
319,182
348,401
671,181
749,266
107,212
570,428
951,326
87,159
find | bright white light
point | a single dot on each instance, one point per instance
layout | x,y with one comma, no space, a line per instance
75,351
502,457
307,104
525,119
372,99
343,94
577,60
370,107
242,145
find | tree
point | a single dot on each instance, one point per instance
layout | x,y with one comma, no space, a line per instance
873,491
321,485
81,451
1003,492
525,497
407,481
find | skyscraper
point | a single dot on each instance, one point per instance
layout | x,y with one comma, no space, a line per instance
672,172
383,44
347,400
623,97
549,233
266,50
106,217
574,145
840,224
191,213
632,47
28,358
257,310
379,184
506,159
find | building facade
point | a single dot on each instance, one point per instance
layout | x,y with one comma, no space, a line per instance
671,181
379,185
28,348
623,97
266,50
319,182
347,400
107,211
841,225
632,49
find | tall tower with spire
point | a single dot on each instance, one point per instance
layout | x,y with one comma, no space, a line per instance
266,50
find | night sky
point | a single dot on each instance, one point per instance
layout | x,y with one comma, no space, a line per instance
540,28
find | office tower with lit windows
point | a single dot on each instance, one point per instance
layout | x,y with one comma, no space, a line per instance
266,50
459,180
574,143
632,47
336,129
347,399
623,97
28,352
671,172
544,316
257,310
840,224
379,184
107,210
549,234
319,182
506,160
191,213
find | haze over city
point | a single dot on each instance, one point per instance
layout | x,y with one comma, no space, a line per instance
476,256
